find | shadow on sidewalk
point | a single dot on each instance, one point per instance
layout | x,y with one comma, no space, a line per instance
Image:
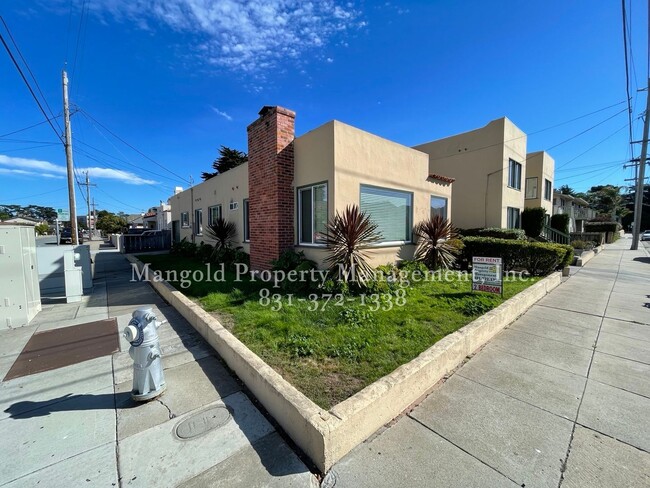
642,260
66,403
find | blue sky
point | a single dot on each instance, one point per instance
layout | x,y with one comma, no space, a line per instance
178,78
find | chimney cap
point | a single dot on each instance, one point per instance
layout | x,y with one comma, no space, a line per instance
270,109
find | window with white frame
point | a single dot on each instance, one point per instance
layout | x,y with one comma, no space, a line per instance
214,213
247,226
439,206
548,189
312,214
514,174
185,219
513,217
198,221
391,210
531,187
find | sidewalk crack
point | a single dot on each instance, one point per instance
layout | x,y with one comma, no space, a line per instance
171,414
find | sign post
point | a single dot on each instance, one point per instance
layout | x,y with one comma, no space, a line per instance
487,274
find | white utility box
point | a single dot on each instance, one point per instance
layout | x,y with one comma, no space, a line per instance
20,296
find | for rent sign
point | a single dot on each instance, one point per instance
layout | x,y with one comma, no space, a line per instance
487,274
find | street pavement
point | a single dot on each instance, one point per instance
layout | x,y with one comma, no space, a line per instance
77,425
561,398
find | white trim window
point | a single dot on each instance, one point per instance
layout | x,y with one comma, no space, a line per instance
531,187
312,214
391,210
247,224
185,220
214,213
513,217
514,174
198,222
439,206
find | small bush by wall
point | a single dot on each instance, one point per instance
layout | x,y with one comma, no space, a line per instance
495,232
532,221
602,226
560,222
538,258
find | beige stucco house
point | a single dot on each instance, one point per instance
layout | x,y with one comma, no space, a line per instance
291,186
489,167
576,208
540,171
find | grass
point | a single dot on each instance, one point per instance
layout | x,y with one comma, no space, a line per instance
331,353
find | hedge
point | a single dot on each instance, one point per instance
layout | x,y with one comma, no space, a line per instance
560,222
601,226
538,258
532,221
495,232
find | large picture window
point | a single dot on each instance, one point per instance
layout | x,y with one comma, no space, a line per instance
439,206
513,218
247,224
391,210
531,187
214,213
198,221
514,175
312,214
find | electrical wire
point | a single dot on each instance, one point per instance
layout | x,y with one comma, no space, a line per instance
40,194
586,130
627,73
27,128
592,147
118,201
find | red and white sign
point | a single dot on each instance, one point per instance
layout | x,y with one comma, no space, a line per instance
487,274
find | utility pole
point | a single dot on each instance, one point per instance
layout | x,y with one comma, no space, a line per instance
69,164
94,218
638,197
87,184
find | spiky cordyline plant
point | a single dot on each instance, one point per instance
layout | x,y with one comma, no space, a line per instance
347,234
223,232
434,249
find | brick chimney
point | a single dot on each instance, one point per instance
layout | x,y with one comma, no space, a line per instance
270,185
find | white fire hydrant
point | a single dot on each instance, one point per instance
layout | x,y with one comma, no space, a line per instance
142,333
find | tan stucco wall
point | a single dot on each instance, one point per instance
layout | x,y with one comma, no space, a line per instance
478,159
542,166
220,190
347,157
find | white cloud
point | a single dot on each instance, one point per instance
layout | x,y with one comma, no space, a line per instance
221,112
330,60
44,169
250,36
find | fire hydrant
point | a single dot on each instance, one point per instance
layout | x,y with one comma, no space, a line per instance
142,333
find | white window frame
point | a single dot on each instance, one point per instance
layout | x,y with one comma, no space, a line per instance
198,221
246,220
211,217
446,207
311,189
515,170
185,220
409,239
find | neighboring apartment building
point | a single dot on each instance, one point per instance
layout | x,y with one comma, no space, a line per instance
577,209
291,186
489,167
158,218
540,169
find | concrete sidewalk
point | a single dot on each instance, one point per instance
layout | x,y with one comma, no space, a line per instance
77,425
559,398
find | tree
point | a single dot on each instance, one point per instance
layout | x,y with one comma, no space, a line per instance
607,200
42,229
110,223
567,190
228,159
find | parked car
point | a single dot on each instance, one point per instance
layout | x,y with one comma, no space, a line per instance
66,236
645,236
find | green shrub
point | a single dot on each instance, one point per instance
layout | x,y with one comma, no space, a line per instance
532,221
538,258
291,260
204,252
588,245
560,222
495,232
184,248
602,227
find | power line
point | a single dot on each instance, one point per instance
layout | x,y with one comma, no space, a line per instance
586,130
627,72
131,146
22,75
118,201
82,15
25,141
28,127
4,151
604,163
39,194
600,170
592,147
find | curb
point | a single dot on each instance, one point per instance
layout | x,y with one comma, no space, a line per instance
327,436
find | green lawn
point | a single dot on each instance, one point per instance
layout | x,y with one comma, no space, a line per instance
333,352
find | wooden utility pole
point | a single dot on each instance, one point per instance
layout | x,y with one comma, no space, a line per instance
640,176
87,184
68,157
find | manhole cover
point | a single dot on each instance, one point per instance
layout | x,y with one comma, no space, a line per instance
202,422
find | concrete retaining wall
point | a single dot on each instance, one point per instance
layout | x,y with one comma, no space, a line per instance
326,436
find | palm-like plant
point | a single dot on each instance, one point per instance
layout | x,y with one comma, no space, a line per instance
223,232
434,248
347,236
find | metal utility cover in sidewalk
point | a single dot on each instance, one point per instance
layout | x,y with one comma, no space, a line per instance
57,348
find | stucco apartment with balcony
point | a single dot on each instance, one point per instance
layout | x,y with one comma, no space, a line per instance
576,208
291,186
493,174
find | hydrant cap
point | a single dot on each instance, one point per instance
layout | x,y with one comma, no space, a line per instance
130,333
